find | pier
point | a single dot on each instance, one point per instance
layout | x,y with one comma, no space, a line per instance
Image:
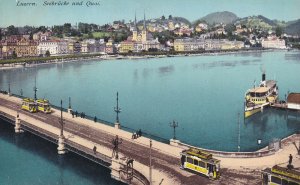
93,141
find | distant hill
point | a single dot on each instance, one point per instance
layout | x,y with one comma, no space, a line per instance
181,19
219,17
259,21
166,20
293,28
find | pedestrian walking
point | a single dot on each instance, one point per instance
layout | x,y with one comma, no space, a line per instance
290,159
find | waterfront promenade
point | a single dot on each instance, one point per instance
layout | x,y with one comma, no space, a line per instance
165,158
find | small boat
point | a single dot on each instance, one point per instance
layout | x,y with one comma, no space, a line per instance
259,97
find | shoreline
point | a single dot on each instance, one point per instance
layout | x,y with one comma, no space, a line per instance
130,57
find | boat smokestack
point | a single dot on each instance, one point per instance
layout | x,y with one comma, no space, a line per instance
263,78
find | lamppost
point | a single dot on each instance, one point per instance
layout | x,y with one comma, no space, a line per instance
70,108
61,121
150,163
117,110
239,133
35,89
61,139
9,88
174,125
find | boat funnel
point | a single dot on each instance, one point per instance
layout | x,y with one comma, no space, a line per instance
263,78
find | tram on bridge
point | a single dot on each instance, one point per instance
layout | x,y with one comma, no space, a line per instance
43,105
29,104
280,176
200,162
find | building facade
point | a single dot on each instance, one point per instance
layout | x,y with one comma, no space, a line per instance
273,42
55,47
197,44
22,47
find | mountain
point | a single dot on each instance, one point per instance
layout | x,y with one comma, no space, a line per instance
259,21
219,17
293,28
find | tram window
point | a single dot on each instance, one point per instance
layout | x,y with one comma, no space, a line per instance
201,164
284,182
195,162
275,180
293,183
189,160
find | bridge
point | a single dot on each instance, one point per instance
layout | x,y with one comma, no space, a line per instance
93,140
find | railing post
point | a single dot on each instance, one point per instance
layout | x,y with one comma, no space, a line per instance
17,124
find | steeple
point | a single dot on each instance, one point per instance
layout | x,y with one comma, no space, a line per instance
135,18
145,28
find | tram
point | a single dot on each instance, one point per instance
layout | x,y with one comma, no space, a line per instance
280,176
43,105
200,162
29,104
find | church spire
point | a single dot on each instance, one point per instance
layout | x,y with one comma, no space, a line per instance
135,18
145,28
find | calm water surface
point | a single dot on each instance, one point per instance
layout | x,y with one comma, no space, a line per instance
203,93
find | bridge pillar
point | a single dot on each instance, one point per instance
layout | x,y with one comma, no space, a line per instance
115,169
61,145
17,124
174,142
117,125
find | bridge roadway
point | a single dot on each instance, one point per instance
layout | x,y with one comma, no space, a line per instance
165,158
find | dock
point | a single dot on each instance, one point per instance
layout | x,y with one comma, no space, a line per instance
82,136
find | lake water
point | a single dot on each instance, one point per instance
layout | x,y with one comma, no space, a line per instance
204,94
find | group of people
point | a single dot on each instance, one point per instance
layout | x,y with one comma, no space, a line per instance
82,115
137,134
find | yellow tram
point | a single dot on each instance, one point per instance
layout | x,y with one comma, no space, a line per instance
200,162
29,105
280,176
43,105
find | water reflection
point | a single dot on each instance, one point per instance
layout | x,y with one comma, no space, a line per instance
249,54
295,57
165,69
226,63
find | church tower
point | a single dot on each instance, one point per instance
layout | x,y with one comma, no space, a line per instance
134,31
144,31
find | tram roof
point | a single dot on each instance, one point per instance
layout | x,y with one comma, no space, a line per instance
200,154
28,100
42,101
284,172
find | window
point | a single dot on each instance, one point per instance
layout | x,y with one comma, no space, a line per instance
189,160
284,182
275,180
202,164
293,183
195,162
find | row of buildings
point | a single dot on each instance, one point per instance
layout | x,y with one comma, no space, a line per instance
196,44
22,46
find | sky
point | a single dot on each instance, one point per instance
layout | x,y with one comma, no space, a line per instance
110,10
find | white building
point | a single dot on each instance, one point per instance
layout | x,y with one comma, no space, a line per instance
55,47
273,42
293,101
